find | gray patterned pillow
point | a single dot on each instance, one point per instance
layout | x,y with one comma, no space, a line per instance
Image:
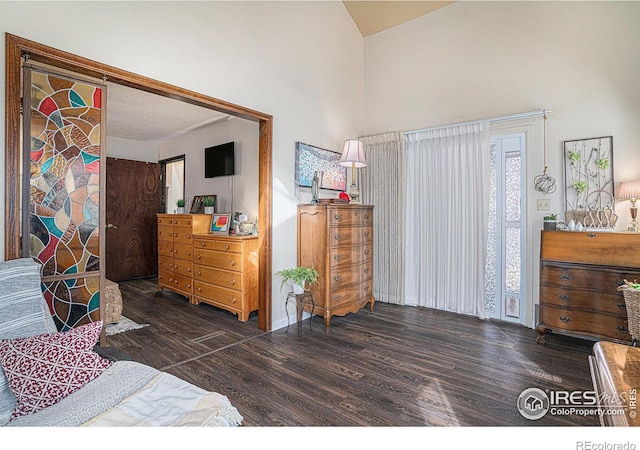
23,313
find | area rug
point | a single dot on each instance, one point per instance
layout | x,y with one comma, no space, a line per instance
125,324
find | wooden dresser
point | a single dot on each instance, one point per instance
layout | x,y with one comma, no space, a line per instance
226,273
175,250
337,239
615,372
579,276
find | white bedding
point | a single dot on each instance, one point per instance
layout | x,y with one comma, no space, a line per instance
133,394
169,401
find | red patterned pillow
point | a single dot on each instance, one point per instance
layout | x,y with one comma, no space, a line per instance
44,369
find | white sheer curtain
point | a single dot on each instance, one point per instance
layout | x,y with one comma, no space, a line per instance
447,185
382,185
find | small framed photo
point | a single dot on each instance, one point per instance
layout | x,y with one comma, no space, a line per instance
220,224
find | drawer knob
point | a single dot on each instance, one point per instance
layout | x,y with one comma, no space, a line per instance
366,252
366,270
366,234
366,288
188,222
565,319
226,247
199,289
188,269
233,263
565,298
232,282
592,235
202,244
622,329
338,237
188,236
198,273
337,216
188,253
198,256
175,267
337,257
565,276
621,305
338,277
337,297
366,216
233,300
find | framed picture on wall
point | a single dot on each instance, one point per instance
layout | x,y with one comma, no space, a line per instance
220,224
310,159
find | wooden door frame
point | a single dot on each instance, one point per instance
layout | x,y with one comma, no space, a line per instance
16,47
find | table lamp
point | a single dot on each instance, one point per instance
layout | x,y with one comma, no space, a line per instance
630,190
353,156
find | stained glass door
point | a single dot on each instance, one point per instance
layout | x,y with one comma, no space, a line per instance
61,173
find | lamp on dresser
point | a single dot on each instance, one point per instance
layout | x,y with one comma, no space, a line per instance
630,190
353,156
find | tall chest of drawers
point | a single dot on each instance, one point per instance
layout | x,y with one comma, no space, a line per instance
225,273
579,276
175,250
337,240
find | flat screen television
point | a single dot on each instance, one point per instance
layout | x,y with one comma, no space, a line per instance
219,160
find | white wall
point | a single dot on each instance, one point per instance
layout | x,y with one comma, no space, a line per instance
233,193
477,60
118,147
301,62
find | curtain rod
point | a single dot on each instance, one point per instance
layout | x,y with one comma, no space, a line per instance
541,112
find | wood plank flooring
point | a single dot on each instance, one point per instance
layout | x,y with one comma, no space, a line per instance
395,366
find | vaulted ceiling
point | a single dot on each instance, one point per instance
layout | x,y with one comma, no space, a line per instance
374,16
141,116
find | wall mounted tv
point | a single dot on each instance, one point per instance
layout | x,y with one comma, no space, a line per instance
219,160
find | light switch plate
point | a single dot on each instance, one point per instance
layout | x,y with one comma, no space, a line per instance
544,204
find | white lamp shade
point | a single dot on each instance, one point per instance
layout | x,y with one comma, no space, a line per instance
629,190
353,153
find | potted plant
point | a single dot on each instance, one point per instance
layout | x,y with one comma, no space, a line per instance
299,276
550,222
209,205
180,204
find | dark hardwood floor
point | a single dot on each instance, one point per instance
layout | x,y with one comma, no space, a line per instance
395,366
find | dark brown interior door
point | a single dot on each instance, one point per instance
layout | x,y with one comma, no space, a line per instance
132,201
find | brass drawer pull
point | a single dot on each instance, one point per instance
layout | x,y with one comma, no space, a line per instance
233,300
337,257
226,247
592,235
565,319
338,237
338,277
565,276
337,216
232,282
202,244
565,298
337,297
233,263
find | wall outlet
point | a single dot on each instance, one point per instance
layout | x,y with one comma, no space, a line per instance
544,204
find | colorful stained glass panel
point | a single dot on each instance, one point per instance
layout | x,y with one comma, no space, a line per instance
65,165
73,302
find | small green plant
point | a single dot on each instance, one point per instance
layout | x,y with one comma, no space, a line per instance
208,201
180,203
299,275
551,217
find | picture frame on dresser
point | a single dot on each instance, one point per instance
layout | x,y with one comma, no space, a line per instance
220,224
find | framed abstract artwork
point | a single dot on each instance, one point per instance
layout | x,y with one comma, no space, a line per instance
310,159
589,196
220,224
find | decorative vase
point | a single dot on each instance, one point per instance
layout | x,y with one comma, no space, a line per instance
298,289
180,209
209,209
549,225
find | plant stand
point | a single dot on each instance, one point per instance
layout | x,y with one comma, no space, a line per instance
300,303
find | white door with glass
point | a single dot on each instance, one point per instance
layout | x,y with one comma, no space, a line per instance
506,242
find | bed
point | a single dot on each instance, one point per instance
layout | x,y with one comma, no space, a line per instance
55,379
